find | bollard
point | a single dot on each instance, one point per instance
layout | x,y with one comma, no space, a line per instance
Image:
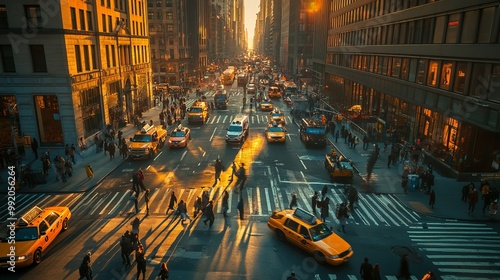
90,172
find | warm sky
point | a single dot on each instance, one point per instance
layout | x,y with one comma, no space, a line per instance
251,9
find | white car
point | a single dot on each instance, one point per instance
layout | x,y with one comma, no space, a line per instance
251,88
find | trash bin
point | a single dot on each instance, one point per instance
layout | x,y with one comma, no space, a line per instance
412,182
90,172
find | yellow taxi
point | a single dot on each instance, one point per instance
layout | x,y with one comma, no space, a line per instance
276,116
266,105
275,133
307,232
31,235
179,137
274,92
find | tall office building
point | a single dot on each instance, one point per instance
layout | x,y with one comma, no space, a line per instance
69,68
427,72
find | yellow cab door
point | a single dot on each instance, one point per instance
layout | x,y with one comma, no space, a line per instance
305,239
55,223
291,228
46,235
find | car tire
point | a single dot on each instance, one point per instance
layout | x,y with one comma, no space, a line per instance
65,224
319,257
280,235
37,257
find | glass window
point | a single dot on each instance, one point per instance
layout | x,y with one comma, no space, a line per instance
103,20
446,70
110,24
417,35
427,31
33,16
159,3
411,31
460,76
90,26
469,28
486,25
479,79
3,17
372,63
453,29
396,67
432,74
170,16
395,34
108,60
7,56
494,89
86,57
404,68
390,30
82,19
94,57
73,18
150,15
385,61
52,218
439,30
78,59
380,63
291,224
38,58
422,63
113,55
402,33
170,28
43,227
49,120
413,69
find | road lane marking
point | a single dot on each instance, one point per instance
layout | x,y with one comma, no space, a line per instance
118,204
183,155
111,200
268,201
259,205
101,201
213,134
156,158
84,202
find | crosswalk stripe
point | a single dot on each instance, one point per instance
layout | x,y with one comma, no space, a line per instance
151,198
105,207
377,210
119,203
250,204
162,202
414,215
74,200
82,202
268,201
101,201
229,204
259,205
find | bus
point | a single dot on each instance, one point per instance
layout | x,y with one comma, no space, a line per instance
289,88
242,80
228,77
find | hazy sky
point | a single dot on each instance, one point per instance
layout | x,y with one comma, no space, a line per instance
251,10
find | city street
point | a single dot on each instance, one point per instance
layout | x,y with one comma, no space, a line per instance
381,227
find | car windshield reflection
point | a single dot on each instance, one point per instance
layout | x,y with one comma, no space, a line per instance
26,234
319,232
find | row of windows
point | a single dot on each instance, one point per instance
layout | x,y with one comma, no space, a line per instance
163,54
89,57
161,40
85,24
122,6
137,27
475,26
370,10
474,79
159,27
159,15
37,53
159,3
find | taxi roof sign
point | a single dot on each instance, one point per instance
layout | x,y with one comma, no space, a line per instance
146,128
305,216
31,215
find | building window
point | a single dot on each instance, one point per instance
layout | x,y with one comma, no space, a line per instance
150,15
469,28
439,30
460,76
404,68
172,56
385,65
38,58
113,55
159,15
453,29
432,74
479,79
152,40
73,18
86,57
159,28
8,64
33,16
78,59
396,67
103,19
494,89
4,23
486,25
168,3
94,57
108,61
82,19
159,3
90,102
170,28
48,119
170,16
446,70
421,71
110,24
90,26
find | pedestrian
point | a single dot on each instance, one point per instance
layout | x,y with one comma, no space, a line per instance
314,201
355,142
141,261
240,207
124,148
111,150
205,198
366,270
404,269
293,202
218,169
172,203
366,142
376,272
209,212
324,191
45,165
242,177
182,209
432,199
125,245
429,276
389,159
34,147
85,269
135,226
225,203
486,201
342,216
163,272
120,134
235,168
485,188
135,183
136,203
473,197
325,208
197,206
352,196
146,199
337,134
72,153
466,190
141,179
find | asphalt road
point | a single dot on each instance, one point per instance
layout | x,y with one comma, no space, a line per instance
247,249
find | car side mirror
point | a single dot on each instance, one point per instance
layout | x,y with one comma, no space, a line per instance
306,237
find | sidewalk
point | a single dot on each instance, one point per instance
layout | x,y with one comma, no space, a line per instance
388,181
79,182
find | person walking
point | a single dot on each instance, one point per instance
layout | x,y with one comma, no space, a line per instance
366,270
337,134
34,147
293,202
404,268
466,190
325,208
72,153
486,201
85,269
123,148
209,211
164,274
342,216
432,199
172,203
235,168
135,226
141,261
218,169
376,272
135,183
197,206
181,207
314,201
352,196
141,179
324,191
240,207
125,245
473,197
355,142
146,199
136,204
225,203
111,150
242,177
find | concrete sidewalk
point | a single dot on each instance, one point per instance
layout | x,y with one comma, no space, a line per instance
79,182
387,180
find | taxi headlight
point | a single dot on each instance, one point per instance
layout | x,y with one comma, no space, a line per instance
333,256
146,150
182,141
21,258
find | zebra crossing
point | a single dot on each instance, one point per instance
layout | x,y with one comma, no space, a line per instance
333,276
468,250
259,201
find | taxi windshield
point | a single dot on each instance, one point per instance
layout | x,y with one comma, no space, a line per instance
178,134
26,233
142,138
275,129
319,232
236,128
195,110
